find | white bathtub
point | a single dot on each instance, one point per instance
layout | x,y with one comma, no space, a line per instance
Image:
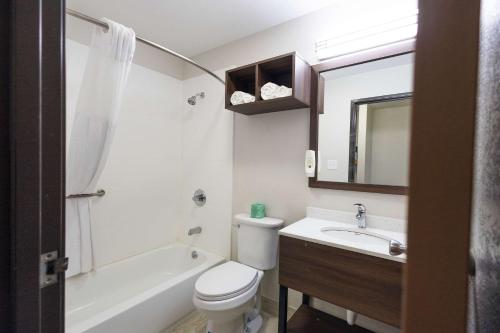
143,294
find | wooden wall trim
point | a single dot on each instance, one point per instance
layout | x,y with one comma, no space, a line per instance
37,153
26,149
53,156
5,253
441,166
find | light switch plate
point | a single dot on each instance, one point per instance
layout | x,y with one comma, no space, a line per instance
332,164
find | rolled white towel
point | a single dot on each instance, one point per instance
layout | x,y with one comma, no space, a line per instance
271,90
283,91
240,97
268,90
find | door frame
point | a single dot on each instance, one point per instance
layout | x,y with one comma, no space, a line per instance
5,228
441,166
33,65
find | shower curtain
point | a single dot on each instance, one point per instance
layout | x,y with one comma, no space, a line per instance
97,108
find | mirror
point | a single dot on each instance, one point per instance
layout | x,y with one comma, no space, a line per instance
363,129
379,140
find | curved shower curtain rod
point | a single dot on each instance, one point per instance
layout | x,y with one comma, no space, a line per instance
103,24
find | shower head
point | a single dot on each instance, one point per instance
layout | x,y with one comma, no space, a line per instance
192,100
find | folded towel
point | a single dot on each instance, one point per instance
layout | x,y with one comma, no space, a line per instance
268,90
284,91
271,90
240,97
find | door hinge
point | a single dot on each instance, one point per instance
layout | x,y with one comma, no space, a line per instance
50,267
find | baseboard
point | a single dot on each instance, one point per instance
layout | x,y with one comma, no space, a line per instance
271,307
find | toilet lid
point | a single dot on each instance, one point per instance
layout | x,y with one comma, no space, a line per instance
225,281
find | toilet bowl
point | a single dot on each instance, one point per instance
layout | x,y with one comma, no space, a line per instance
228,294
225,294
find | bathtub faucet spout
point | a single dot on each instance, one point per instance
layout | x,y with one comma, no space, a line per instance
194,231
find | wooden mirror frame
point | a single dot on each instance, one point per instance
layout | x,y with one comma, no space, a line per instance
317,105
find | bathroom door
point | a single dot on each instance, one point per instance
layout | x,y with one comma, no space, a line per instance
439,211
32,148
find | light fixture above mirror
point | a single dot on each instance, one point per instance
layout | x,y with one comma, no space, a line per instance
393,30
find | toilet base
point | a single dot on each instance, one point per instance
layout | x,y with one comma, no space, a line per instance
254,325
238,325
225,327
244,319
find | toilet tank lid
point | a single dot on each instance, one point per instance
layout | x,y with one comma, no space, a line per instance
265,222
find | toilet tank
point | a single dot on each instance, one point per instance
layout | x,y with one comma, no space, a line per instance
257,241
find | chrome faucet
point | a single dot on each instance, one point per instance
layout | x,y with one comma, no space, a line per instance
396,248
360,215
194,231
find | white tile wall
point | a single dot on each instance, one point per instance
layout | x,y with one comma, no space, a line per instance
207,163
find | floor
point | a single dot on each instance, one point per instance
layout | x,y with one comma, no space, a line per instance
196,323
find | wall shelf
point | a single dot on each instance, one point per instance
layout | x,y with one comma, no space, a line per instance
288,69
307,319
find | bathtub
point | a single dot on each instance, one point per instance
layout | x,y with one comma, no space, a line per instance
143,294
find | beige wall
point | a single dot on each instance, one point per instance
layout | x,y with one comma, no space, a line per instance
269,148
390,144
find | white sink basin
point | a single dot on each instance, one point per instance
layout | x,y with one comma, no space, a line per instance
356,235
337,229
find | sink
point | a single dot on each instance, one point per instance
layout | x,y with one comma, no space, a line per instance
356,235
369,238
336,228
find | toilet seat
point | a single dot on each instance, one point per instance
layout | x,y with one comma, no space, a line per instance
225,281
226,286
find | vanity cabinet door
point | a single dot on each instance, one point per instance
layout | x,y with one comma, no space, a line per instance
365,284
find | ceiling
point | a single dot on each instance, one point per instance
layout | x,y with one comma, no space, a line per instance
191,27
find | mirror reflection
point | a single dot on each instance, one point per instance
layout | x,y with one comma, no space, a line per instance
364,131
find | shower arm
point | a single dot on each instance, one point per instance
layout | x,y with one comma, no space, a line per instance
103,24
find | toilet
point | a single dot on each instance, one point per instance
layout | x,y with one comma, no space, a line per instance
228,294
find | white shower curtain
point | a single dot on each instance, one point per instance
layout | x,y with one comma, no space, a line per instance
97,108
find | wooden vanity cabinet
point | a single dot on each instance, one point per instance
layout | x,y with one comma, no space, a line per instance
362,283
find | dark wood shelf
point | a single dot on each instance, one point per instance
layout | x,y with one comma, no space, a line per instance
307,320
288,69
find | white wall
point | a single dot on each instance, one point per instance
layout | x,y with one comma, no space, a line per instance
140,210
207,163
269,148
363,149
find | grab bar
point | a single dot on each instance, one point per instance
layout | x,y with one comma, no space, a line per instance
99,193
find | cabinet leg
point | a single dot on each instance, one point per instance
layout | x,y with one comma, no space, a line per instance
283,306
